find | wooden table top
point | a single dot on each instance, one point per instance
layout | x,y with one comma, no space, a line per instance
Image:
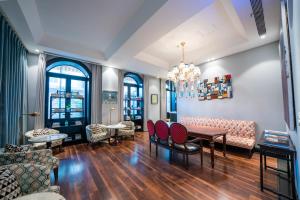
206,131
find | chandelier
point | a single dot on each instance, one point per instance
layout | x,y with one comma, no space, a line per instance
185,76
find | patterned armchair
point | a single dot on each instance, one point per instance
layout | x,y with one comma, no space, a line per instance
32,178
96,133
44,131
128,130
39,157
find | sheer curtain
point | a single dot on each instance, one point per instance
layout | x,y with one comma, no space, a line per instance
146,100
39,121
163,100
96,110
13,85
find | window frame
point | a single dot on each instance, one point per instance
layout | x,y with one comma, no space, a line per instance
69,78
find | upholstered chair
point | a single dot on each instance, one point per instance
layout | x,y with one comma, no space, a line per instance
129,130
40,157
31,178
96,133
162,133
44,131
180,143
151,131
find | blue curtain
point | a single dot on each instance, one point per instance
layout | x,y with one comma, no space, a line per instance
13,84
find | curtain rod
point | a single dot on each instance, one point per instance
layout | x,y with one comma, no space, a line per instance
69,57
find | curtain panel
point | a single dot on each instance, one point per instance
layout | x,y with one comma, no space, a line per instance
163,100
121,94
13,85
39,121
146,100
96,110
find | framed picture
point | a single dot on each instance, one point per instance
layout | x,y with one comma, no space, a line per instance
110,97
154,98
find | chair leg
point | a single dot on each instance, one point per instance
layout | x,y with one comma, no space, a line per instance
156,150
150,148
55,171
201,156
187,160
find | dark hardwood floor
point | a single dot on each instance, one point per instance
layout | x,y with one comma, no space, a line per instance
127,171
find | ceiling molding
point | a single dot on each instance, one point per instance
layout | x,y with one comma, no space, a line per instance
144,13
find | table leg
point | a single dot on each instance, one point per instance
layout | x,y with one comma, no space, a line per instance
224,145
212,152
293,177
116,136
261,172
48,145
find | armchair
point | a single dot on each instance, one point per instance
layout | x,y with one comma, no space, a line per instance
96,133
129,130
39,157
180,143
32,178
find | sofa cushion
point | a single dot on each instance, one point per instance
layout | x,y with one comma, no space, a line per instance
11,148
9,186
97,128
237,141
189,146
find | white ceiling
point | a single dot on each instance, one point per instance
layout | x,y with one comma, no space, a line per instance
140,35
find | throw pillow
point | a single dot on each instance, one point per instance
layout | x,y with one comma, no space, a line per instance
11,148
9,186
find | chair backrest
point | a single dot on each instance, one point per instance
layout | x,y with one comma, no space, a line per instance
150,127
162,130
178,133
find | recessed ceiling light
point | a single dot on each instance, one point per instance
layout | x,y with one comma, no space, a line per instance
36,50
262,36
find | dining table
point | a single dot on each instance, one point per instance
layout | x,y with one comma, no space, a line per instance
209,134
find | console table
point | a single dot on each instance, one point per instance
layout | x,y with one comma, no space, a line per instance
284,151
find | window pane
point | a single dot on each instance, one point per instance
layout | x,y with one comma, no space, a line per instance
77,98
133,92
129,80
69,70
57,89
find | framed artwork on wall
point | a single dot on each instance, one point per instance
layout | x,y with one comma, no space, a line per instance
109,97
154,98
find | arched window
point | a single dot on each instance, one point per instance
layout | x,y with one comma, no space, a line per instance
133,99
67,97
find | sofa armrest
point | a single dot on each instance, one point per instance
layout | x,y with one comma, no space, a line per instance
31,177
43,157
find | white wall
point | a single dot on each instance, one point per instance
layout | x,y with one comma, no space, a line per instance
154,109
257,89
110,82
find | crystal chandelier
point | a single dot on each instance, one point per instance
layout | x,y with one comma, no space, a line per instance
185,77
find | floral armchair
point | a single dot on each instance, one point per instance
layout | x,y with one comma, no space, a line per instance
39,157
32,178
44,131
129,130
96,133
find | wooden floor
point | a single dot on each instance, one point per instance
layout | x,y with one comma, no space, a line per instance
127,171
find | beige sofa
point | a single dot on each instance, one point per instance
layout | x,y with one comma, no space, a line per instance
240,133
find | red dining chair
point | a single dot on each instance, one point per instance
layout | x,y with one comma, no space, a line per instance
151,131
180,143
162,133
